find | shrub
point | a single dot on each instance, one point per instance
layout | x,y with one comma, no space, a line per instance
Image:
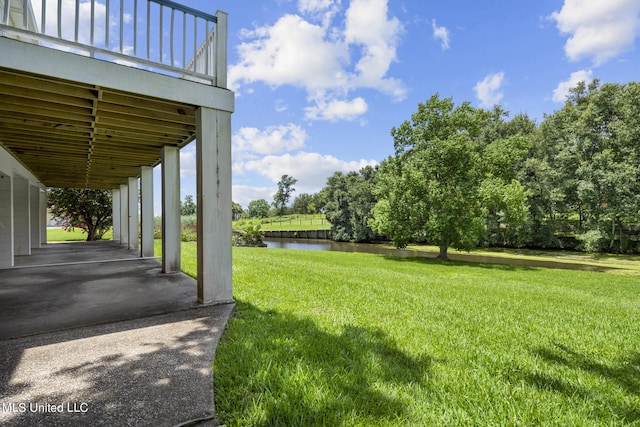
250,234
591,241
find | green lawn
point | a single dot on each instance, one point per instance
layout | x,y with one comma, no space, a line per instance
55,234
326,338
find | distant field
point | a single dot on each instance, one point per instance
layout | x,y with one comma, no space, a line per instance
290,222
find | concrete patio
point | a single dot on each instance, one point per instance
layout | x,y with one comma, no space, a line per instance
74,284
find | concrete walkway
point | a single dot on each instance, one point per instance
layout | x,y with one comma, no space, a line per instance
65,285
104,341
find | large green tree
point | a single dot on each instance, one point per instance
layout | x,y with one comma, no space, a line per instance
430,188
591,148
88,210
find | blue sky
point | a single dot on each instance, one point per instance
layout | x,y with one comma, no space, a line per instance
320,83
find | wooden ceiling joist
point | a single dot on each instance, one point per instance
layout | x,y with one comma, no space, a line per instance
72,134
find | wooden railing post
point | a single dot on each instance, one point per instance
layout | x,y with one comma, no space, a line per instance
221,49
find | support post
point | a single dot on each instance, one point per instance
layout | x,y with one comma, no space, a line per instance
133,213
34,212
213,160
44,217
170,209
21,217
146,211
124,214
115,213
6,220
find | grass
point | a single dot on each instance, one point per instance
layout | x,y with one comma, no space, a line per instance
627,264
326,338
290,222
55,234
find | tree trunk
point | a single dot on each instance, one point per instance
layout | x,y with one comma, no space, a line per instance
443,253
91,232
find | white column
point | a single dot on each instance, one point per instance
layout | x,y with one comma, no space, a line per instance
34,212
213,169
170,209
133,213
115,215
146,210
21,218
6,220
124,214
44,217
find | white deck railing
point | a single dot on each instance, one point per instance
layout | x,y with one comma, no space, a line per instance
158,35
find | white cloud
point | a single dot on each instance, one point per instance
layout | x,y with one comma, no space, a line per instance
488,91
291,52
188,160
327,60
335,109
367,25
562,90
310,169
600,30
322,10
442,34
272,140
311,6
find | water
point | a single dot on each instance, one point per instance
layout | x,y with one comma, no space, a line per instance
371,248
330,245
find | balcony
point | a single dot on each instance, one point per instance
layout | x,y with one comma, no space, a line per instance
157,35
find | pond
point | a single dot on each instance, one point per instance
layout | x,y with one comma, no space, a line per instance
371,248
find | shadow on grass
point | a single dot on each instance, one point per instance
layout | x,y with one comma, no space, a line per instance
458,263
499,263
276,369
625,375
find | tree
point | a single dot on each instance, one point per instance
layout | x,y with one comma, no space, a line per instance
236,211
188,207
350,201
282,196
89,210
303,204
430,188
506,145
258,209
507,211
593,145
